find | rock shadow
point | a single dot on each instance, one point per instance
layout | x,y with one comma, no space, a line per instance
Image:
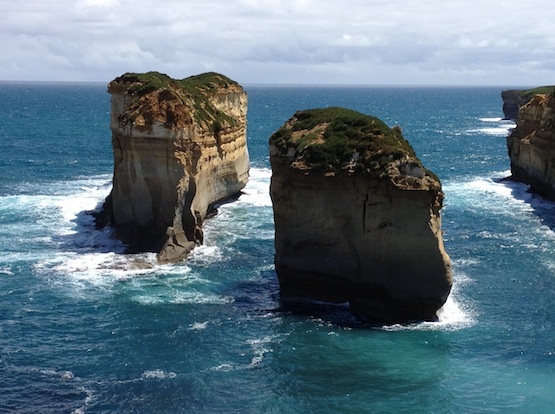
88,237
542,207
262,297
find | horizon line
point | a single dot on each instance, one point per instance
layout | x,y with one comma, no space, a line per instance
293,85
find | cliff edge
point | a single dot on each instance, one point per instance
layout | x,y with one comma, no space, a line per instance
179,147
531,145
357,217
513,99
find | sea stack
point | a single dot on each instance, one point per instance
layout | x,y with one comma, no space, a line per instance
357,217
531,144
179,148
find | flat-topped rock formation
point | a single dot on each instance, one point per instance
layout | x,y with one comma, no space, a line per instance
357,217
179,147
531,145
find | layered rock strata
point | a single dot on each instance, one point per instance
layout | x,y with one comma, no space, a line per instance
513,99
357,217
531,145
179,147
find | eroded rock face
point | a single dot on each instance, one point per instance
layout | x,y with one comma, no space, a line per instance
513,99
357,217
531,145
179,148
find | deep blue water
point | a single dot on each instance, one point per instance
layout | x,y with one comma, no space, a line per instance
84,330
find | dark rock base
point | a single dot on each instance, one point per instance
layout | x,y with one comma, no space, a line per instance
366,300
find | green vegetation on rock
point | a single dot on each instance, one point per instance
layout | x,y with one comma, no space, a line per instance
529,93
334,138
143,83
195,89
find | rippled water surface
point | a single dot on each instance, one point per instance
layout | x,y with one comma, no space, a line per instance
85,328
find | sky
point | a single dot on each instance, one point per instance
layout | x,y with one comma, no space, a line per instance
368,42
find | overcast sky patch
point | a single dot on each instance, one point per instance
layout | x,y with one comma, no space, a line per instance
475,42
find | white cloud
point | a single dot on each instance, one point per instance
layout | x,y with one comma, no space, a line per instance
357,40
407,41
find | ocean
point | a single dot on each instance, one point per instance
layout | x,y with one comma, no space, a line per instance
83,329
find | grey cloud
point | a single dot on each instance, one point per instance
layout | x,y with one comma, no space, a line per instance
317,40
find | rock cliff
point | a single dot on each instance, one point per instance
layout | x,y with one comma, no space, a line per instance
531,145
513,99
357,217
179,148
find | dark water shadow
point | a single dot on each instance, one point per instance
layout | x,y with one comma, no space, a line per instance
88,237
262,297
543,208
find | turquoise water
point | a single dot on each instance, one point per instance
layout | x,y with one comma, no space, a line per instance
83,330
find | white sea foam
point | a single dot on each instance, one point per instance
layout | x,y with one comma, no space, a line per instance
99,268
198,326
180,297
502,130
472,261
158,374
455,315
88,400
489,186
503,199
65,375
260,347
249,217
83,254
500,127
452,316
205,255
257,191
487,193
49,217
223,368
74,204
497,119
77,254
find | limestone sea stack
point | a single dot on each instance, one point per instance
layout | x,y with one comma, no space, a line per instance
357,217
531,145
179,147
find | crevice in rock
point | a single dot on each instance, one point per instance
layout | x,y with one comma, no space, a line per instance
188,219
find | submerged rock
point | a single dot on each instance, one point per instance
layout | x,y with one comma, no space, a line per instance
179,148
357,217
531,145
